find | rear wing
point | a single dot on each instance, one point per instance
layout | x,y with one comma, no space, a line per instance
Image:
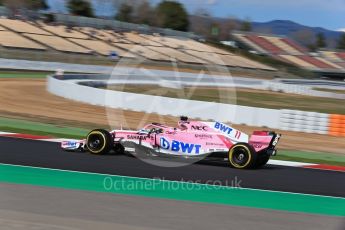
268,140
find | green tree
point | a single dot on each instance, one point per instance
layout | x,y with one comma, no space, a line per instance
320,40
200,23
37,4
124,13
312,47
341,42
172,15
144,13
26,4
226,27
246,25
80,8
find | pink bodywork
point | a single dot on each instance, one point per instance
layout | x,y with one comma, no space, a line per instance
192,138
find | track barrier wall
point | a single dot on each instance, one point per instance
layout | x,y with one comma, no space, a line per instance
337,125
301,121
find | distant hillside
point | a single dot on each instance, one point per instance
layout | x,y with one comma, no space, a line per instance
300,33
295,30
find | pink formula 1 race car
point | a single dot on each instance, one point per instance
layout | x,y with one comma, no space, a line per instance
190,140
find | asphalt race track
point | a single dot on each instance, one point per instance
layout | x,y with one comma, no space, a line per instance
26,207
277,178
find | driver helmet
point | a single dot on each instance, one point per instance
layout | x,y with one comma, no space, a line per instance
182,123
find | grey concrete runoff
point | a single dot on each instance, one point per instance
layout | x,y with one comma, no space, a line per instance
25,207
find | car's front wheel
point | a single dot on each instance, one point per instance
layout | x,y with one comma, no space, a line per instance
99,141
119,148
242,156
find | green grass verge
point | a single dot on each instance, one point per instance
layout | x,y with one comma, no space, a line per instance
36,128
311,157
23,74
330,90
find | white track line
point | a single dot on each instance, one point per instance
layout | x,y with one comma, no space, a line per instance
57,140
289,163
5,133
163,180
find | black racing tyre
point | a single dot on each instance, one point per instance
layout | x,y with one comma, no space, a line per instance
242,156
262,160
99,142
118,148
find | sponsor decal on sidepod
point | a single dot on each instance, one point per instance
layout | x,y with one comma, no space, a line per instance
179,146
137,137
69,144
226,129
203,136
223,128
199,128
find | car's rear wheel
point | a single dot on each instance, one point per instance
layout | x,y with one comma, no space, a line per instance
262,160
242,156
99,142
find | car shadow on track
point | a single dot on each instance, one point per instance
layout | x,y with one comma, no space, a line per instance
223,164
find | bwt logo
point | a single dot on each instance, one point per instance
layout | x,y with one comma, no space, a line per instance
222,127
69,143
179,146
